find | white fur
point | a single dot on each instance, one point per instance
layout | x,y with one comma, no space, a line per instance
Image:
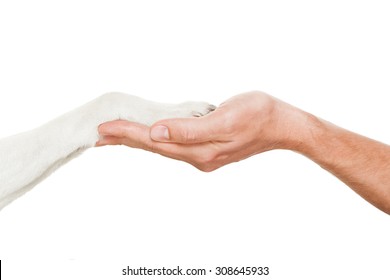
29,157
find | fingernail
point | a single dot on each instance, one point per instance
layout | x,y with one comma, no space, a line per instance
159,133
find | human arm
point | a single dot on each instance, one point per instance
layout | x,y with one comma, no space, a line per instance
361,163
253,123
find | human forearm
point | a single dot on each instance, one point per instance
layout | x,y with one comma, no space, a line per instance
361,163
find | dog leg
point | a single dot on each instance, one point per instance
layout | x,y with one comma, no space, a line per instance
29,157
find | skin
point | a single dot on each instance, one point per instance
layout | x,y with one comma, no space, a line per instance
255,122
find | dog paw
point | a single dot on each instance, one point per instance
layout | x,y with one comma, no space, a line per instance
194,109
114,105
209,108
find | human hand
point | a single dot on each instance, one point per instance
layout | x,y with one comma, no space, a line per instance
245,125
251,123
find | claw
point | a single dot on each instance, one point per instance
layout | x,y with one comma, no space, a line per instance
209,109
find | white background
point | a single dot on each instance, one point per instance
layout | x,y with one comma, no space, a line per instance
116,206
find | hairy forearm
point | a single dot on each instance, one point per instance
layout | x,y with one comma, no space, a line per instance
361,163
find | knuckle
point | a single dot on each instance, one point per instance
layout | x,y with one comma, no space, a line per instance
211,160
188,136
207,168
208,158
207,161
152,147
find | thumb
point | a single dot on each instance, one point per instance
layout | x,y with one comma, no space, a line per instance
185,131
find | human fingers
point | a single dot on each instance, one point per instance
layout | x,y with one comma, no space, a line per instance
127,133
136,135
105,140
186,130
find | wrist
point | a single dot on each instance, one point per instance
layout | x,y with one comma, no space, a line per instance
300,130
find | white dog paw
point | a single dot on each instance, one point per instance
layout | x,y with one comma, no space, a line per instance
114,105
194,109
